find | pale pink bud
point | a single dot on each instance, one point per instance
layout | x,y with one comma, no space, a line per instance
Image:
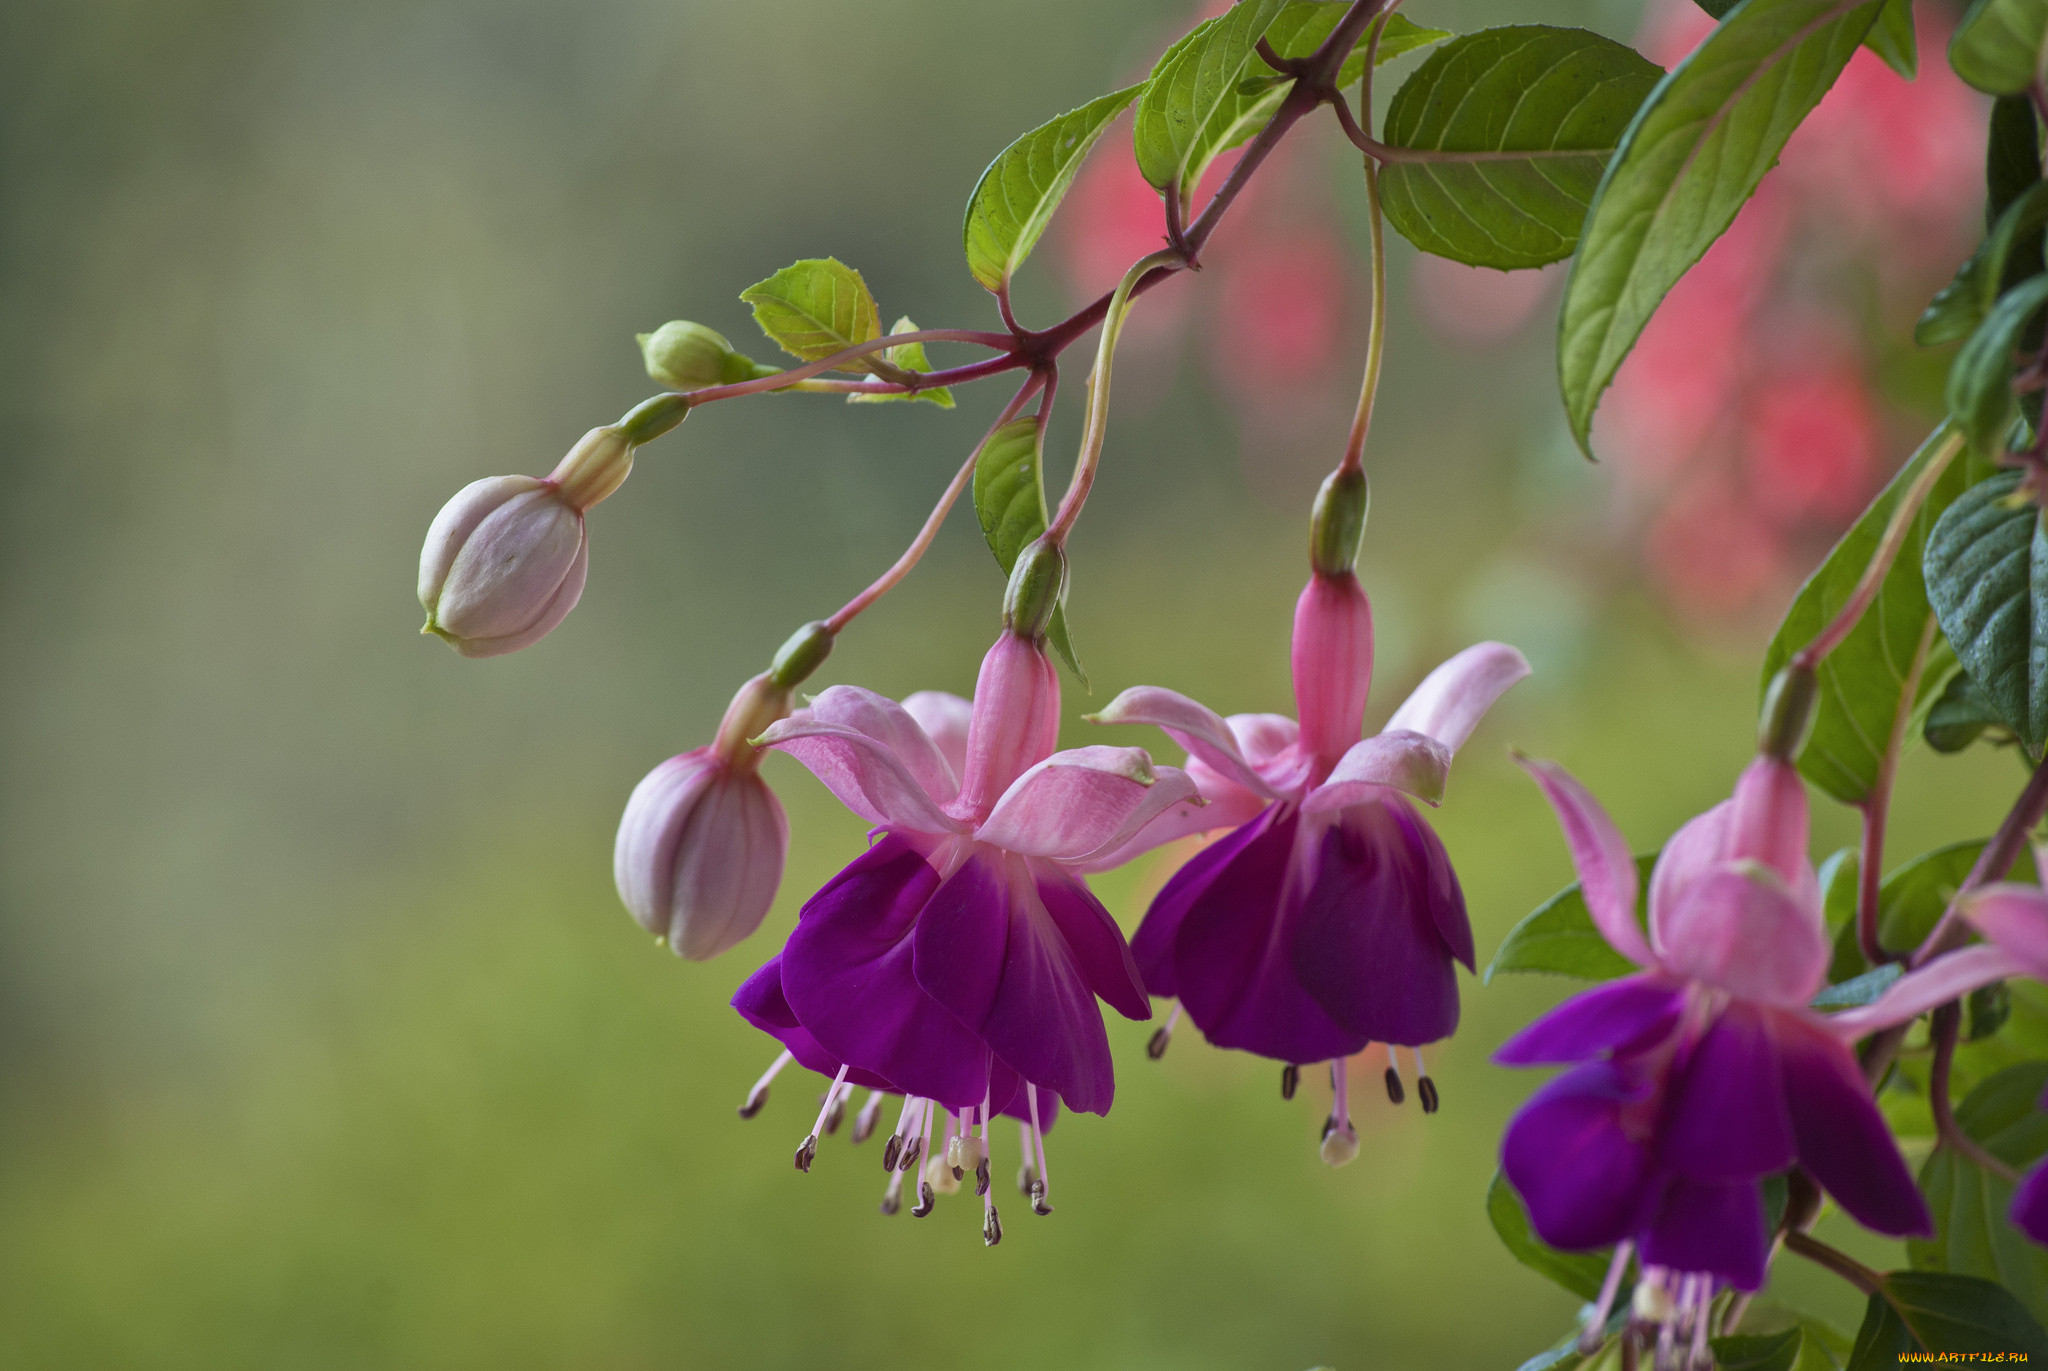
700,853
504,563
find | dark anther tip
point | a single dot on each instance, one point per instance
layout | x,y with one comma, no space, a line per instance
1427,1089
959,1173
1394,1090
925,1200
981,1177
1038,1204
892,1151
834,1116
752,1104
891,1202
1155,1046
992,1230
1290,1077
911,1154
806,1153
863,1128
1027,1179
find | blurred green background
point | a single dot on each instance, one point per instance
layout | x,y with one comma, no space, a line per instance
323,1039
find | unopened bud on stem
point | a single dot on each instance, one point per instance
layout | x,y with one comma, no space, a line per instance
757,704
1336,523
686,356
797,658
1787,712
1036,582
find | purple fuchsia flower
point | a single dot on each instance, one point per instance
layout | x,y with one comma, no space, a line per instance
1330,917
958,960
1706,1071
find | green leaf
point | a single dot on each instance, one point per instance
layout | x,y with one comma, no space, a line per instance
1987,575
1579,1272
1960,716
2012,155
1935,1311
1839,878
1015,198
1973,1236
815,308
1565,1358
1859,990
1009,500
907,357
1998,45
1980,379
1760,1352
1914,896
1532,114
2013,244
1893,39
1862,680
1558,937
1193,92
1696,149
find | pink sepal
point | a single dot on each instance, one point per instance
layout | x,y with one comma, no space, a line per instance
1081,802
943,717
1690,853
1606,867
1236,806
1452,700
1767,819
1412,763
1946,978
1332,659
895,728
2016,918
1741,928
863,773
1195,726
1015,724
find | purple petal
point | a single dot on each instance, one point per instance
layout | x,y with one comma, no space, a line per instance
1607,869
1233,960
761,1003
1081,802
1727,1119
1613,1016
1710,1226
988,950
1152,947
1368,945
1408,762
1843,1140
847,971
2016,918
2030,1205
1190,723
1452,700
1579,1172
1739,927
863,772
1701,844
1097,943
1948,977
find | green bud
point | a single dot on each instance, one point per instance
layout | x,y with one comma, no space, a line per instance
1787,713
1037,580
1336,523
686,356
805,651
651,418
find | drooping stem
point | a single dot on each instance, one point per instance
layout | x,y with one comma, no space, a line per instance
916,550
1945,1029
1376,331
1867,586
1876,807
1097,423
1835,1260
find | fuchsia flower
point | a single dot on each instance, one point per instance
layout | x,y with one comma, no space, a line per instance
1330,917
1706,1071
958,960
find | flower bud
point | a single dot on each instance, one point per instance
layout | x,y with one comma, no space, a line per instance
1037,579
804,653
686,356
1336,524
755,705
595,467
1787,715
504,562
700,853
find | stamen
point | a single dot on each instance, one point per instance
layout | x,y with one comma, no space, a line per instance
1155,1047
825,1105
758,1096
1394,1090
1340,1139
925,1202
1041,1189
1026,1173
834,1104
892,1198
1290,1077
806,1153
892,1152
981,1167
991,1227
1595,1331
1424,1086
865,1121
1701,1361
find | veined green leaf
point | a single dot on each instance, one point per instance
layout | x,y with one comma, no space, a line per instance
1526,118
1892,38
1579,1272
1915,894
1862,679
815,308
907,357
1966,301
1980,378
1758,1352
1960,716
1009,500
1998,46
1558,936
1935,1311
1697,148
2012,158
1973,1236
1986,565
1016,196
1193,91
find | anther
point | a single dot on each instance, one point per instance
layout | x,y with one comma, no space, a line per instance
1027,1179
751,1106
892,1201
807,1153
835,1113
1329,1126
911,1154
1394,1090
870,1115
991,1228
981,1177
1426,1088
1340,1145
1038,1204
925,1202
1155,1046
1290,1078
892,1150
